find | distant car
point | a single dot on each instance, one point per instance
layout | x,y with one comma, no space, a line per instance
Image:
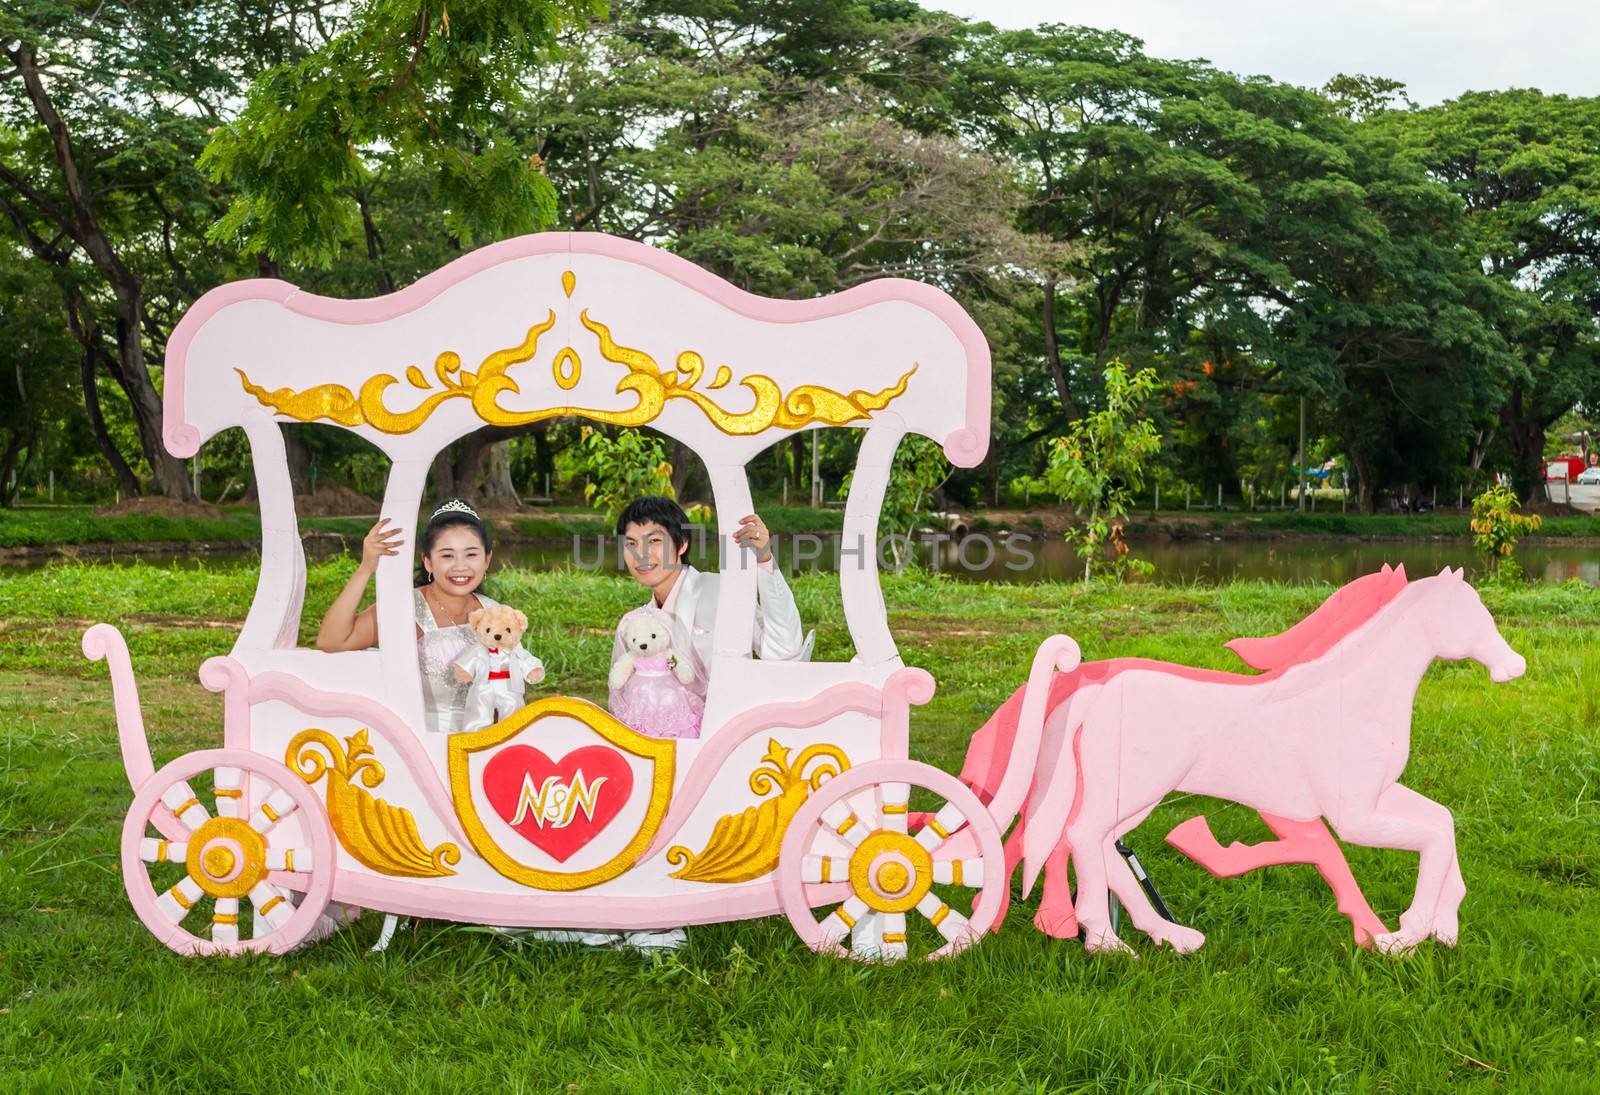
1589,475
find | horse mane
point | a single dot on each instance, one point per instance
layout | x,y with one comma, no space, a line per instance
1338,618
1349,606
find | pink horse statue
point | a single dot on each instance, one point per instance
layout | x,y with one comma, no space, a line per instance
1327,736
1298,841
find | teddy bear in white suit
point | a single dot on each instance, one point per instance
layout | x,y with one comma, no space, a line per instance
497,667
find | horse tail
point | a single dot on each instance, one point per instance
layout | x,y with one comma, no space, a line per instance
1058,787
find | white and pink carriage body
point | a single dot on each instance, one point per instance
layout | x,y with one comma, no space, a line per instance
795,797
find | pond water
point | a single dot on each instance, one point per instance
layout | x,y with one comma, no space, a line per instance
1024,558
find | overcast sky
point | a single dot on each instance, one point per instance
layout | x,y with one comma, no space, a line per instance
1439,48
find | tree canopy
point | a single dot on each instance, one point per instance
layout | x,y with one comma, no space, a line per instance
1427,280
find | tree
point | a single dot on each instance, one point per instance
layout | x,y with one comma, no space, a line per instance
1103,459
918,470
622,466
1526,169
418,80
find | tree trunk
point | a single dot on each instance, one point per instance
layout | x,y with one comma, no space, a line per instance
1052,354
127,482
499,491
444,475
471,452
8,466
544,460
682,458
299,458
800,485
1525,436
80,222
169,473
458,468
1366,497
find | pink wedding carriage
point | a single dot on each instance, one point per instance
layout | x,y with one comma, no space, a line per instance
799,797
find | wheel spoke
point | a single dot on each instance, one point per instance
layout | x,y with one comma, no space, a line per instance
941,827
228,784
950,923
892,810
866,936
825,868
154,850
278,806
176,902
837,924
289,859
225,920
185,805
959,872
844,822
893,937
272,905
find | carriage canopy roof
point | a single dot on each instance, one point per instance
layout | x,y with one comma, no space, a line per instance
560,324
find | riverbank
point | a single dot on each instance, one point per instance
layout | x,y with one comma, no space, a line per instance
83,532
88,998
32,534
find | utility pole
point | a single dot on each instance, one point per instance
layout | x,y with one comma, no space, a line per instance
1300,503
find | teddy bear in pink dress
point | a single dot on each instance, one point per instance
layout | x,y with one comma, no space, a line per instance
651,685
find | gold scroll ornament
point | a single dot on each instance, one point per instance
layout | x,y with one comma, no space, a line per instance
652,387
376,834
745,845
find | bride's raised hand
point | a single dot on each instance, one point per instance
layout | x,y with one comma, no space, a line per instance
383,539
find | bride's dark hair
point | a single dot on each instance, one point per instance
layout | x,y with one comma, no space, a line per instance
452,514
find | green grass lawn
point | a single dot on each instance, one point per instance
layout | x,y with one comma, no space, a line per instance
1279,999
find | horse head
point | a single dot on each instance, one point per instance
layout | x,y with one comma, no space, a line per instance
1460,627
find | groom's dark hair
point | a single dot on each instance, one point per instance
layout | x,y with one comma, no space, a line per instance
653,509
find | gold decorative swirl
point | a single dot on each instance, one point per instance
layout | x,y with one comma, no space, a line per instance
376,834
652,387
745,845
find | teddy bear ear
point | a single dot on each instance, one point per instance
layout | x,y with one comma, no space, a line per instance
522,620
475,615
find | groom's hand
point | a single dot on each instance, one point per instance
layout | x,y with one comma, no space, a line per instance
752,533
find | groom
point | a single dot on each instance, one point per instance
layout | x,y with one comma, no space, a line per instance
655,543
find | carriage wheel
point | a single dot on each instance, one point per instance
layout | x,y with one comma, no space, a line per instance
187,890
854,830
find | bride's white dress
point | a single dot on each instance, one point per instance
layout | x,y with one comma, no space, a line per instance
444,699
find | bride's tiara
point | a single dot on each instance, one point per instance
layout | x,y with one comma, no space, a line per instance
455,505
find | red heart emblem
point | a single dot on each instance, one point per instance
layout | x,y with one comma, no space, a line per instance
558,806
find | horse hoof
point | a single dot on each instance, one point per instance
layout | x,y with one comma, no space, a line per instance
1182,939
1397,943
1106,943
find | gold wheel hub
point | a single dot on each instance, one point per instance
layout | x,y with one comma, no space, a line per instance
218,861
890,872
220,846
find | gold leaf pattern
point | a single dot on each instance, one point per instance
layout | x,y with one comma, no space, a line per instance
745,845
376,834
807,404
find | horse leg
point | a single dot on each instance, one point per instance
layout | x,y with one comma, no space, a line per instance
1402,818
1446,915
1093,842
1056,916
1298,842
1318,847
1126,886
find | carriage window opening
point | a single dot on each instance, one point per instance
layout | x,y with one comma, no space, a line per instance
338,480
